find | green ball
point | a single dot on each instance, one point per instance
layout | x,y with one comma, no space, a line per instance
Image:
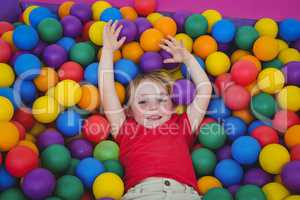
196,25
72,167
69,188
106,150
212,136
250,192
114,166
245,37
263,106
204,161
53,198
83,53
50,30
56,158
276,63
218,194
12,194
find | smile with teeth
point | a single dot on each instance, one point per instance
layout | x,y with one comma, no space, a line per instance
154,117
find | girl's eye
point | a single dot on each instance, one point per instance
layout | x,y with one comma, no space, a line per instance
162,100
141,102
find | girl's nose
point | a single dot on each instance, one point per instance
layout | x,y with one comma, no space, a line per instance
153,105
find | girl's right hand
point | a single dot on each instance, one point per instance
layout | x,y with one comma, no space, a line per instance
110,36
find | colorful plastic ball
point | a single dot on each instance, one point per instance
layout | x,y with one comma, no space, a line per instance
21,129
151,61
50,30
292,73
222,82
68,93
276,63
236,97
49,137
166,55
90,98
212,136
166,25
289,29
204,161
270,80
288,98
204,46
91,73
129,30
212,16
125,70
6,51
8,37
38,184
234,127
70,70
69,123
82,53
184,68
9,93
245,37
98,7
108,185
265,48
55,55
45,109
142,24
296,45
295,152
291,137
252,59
111,14
24,116
39,14
64,8
132,51
244,72
19,166
5,27
265,135
128,13
66,42
27,90
223,31
46,79
217,109
9,136
251,192
72,167
263,106
275,191
218,193
229,172
293,197
151,39
290,175
95,128
106,150
25,37
186,40
144,8
82,11
6,180
7,109
72,26
12,193
224,153
196,25
69,188
257,176
27,66
267,27
180,17
80,148
56,158
284,119
289,55
206,183
183,92
114,166
217,63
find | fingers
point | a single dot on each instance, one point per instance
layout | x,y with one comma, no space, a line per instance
121,41
170,60
166,48
169,43
118,31
113,26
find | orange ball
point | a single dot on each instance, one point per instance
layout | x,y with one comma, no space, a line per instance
151,39
132,51
47,78
64,9
238,54
128,13
166,25
9,136
117,55
253,59
292,136
8,37
90,99
30,145
245,115
121,92
205,45
206,183
266,48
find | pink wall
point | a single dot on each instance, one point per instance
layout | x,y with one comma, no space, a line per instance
249,9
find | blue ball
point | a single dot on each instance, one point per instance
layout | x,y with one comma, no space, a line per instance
69,123
6,180
229,172
111,14
87,171
39,14
26,90
25,37
256,124
289,30
217,109
125,71
10,94
245,150
184,70
27,66
223,31
91,73
234,127
66,42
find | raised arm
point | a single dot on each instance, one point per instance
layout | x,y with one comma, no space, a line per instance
108,95
197,109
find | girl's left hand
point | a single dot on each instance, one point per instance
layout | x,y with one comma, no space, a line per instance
176,49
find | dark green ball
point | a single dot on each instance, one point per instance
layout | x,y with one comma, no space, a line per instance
250,192
204,161
69,188
263,106
53,198
72,168
196,25
245,37
83,53
218,194
276,63
114,166
12,194
212,136
50,30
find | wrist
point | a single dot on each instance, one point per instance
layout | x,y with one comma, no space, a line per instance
187,57
107,49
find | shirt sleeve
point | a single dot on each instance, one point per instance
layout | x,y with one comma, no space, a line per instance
187,129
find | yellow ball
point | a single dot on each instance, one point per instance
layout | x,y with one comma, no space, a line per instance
273,157
289,55
96,31
7,75
265,48
212,16
282,45
45,109
6,109
217,63
267,27
186,40
27,12
180,109
293,197
206,183
275,191
270,80
153,17
288,98
51,92
238,54
9,136
98,7
67,93
108,185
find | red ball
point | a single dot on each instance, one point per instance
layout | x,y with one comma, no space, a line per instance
145,7
244,72
22,131
85,32
1,158
86,196
295,152
5,52
5,27
284,119
236,97
222,82
265,135
20,160
96,128
70,70
24,117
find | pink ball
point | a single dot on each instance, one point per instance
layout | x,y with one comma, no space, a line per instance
284,119
236,97
222,82
244,72
265,135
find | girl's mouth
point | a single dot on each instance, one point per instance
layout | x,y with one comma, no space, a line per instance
153,117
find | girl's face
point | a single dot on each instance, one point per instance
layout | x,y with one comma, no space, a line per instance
151,104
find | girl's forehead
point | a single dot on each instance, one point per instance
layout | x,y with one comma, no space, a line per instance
150,87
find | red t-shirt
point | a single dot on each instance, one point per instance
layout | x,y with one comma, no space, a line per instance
159,152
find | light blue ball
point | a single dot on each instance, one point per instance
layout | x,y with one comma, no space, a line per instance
289,30
39,14
27,66
229,172
184,70
91,73
87,171
218,110
234,127
26,90
223,31
111,14
125,71
66,42
25,37
6,180
257,123
10,94
69,123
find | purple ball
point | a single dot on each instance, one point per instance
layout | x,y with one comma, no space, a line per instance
82,11
257,176
142,24
290,176
49,137
233,189
54,56
151,61
129,30
297,45
38,184
39,49
80,148
292,73
224,153
165,55
180,17
183,92
72,26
